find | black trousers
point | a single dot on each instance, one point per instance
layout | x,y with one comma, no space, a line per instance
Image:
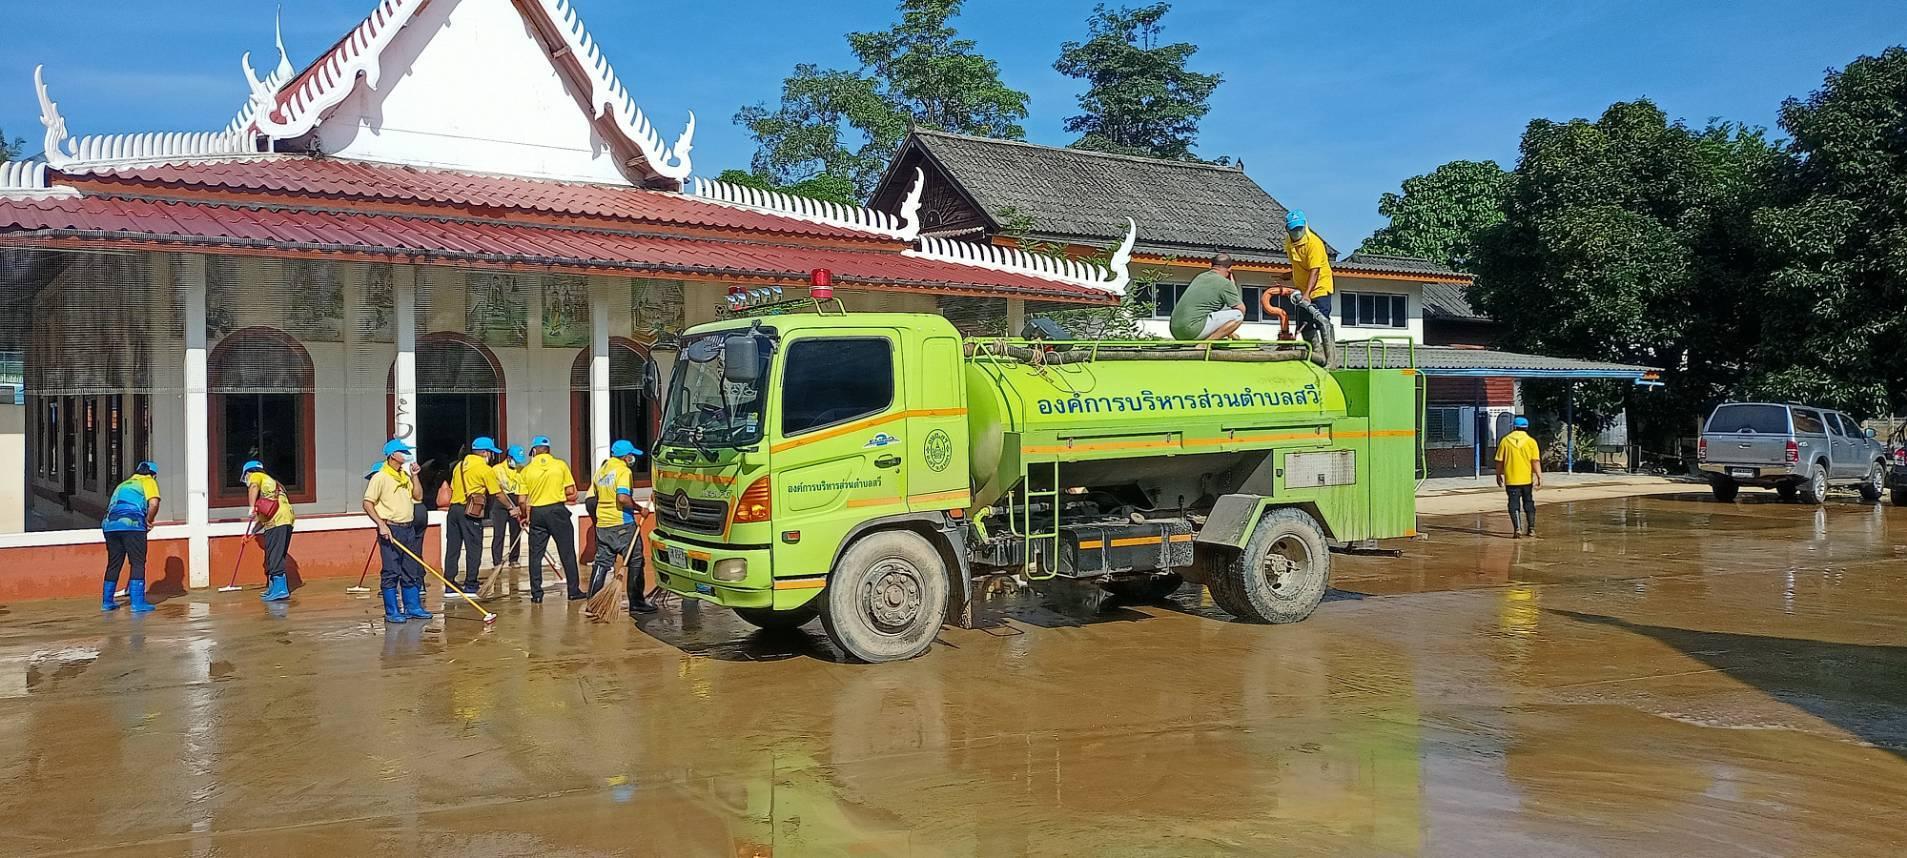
399,569
125,547
463,536
1523,501
611,542
277,543
551,522
1303,322
503,523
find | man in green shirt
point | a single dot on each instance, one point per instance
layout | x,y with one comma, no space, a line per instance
1212,307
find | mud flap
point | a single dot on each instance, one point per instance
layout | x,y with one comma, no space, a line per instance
1231,521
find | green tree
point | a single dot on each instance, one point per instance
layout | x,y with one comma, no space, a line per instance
1140,98
1629,238
11,149
823,186
1835,331
848,124
1440,215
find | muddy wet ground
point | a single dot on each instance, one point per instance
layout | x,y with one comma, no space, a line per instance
1659,676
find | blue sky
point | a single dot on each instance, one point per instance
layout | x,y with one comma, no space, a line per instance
1329,104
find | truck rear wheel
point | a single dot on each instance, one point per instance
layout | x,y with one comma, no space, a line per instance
1281,575
886,598
767,618
1900,497
1724,488
1814,490
1876,482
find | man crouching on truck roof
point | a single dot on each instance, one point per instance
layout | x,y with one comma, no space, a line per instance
1212,307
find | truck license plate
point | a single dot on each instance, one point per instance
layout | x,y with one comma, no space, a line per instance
678,557
705,589
1743,473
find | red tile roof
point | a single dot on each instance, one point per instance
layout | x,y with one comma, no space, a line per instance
307,178
117,221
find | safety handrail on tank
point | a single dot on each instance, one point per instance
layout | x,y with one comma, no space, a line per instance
995,349
1377,351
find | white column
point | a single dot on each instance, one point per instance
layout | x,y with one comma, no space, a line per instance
1015,316
198,454
404,375
599,439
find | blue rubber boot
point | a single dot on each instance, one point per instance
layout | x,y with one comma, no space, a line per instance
277,591
414,604
106,601
136,597
391,613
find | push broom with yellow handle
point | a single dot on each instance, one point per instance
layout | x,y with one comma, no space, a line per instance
488,618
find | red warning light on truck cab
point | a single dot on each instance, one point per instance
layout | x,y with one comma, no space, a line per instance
822,282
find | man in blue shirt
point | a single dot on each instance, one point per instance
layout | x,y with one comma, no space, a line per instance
129,515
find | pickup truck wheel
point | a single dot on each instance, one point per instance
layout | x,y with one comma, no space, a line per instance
1724,488
886,598
1281,575
1815,489
1874,486
1900,497
773,620
1152,589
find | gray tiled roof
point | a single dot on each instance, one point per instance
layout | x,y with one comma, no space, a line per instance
1181,207
1439,360
1396,264
1448,301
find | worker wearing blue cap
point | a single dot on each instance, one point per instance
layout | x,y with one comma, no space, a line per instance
505,528
1310,267
393,499
473,482
1519,470
272,520
547,487
617,531
130,512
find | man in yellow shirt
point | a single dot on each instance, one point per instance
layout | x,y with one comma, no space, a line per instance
547,486
1519,470
273,531
617,528
463,532
130,512
506,530
391,500
1310,268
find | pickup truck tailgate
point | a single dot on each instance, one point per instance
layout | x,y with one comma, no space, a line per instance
1747,449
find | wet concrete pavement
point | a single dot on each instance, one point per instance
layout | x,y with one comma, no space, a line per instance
1657,675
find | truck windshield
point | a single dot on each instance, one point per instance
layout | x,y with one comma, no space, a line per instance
705,410
1760,419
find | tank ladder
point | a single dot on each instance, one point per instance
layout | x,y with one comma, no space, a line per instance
1021,520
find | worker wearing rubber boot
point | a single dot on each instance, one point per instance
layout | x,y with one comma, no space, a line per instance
616,527
272,520
473,482
1519,471
390,499
505,529
1310,269
547,489
129,516
1212,307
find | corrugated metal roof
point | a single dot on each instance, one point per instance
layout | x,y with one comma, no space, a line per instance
1448,301
307,178
1440,360
122,221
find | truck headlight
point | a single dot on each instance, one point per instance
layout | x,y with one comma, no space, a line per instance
732,569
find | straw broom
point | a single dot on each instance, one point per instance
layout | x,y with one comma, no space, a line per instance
600,605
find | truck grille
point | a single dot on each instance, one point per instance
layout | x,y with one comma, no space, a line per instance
704,516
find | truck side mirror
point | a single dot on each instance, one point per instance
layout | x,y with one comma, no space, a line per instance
1872,434
741,362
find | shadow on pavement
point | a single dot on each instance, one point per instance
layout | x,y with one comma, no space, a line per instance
1859,688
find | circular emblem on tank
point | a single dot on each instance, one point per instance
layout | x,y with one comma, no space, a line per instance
938,450
682,509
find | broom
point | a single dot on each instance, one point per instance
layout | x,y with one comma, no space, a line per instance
493,588
599,605
233,586
359,587
488,618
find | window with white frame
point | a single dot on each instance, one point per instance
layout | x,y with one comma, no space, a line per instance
1374,310
1166,296
1443,425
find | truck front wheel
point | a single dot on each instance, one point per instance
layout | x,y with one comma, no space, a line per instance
764,618
886,598
1281,575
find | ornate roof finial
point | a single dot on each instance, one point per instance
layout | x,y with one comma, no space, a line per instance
56,154
910,206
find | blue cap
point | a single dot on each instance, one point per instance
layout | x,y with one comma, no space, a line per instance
516,454
623,448
248,467
539,441
375,467
394,447
484,445
1294,220
1521,423
149,465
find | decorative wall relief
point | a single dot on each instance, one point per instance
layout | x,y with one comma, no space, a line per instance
498,310
566,312
655,311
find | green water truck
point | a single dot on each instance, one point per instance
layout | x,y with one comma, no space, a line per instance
869,469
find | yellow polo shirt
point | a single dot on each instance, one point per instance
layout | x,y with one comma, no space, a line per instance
612,479
545,480
506,476
1308,255
390,494
1520,457
269,488
473,473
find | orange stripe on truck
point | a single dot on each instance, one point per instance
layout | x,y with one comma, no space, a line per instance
869,423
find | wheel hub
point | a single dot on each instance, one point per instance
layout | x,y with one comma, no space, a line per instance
1283,563
893,597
